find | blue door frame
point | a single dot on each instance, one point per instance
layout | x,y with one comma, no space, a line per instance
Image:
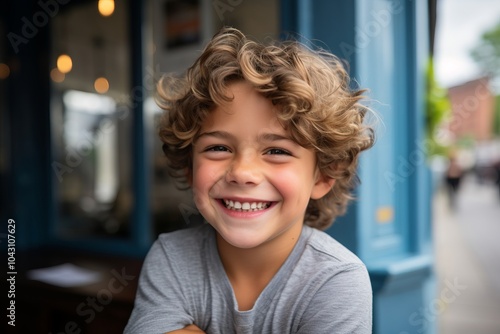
388,227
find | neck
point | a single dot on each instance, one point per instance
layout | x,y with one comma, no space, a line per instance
259,263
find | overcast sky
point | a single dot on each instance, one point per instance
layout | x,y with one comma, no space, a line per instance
459,28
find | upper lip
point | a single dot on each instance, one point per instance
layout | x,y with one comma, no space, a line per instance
244,199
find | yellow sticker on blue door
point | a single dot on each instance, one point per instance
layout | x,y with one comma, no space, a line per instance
385,214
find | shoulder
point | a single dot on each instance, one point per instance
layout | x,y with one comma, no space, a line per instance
327,262
172,285
334,285
325,248
193,234
185,243
180,254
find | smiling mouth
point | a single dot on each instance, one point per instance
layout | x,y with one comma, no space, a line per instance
245,206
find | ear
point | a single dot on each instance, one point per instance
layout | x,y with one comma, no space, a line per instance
322,186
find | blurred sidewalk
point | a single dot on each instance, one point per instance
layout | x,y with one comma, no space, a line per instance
467,247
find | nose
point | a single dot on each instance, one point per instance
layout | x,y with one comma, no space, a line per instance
244,170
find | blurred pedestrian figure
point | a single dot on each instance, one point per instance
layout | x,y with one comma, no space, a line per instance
496,167
453,177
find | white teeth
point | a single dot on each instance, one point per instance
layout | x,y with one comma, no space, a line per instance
246,206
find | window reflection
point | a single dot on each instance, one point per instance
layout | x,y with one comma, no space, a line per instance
91,201
91,122
88,126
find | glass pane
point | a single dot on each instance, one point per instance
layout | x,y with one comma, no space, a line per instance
259,19
90,119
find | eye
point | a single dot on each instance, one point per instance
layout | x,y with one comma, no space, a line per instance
217,148
278,151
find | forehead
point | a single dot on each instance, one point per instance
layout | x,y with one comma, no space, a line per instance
247,110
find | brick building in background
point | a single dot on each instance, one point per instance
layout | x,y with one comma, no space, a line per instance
472,122
472,110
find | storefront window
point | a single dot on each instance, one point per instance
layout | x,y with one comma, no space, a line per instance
91,121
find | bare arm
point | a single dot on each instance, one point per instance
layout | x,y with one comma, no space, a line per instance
191,329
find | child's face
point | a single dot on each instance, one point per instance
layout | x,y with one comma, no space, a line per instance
250,181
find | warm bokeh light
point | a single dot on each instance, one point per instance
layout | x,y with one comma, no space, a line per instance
57,76
101,85
4,71
64,63
106,7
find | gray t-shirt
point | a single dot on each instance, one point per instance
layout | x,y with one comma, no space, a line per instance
321,288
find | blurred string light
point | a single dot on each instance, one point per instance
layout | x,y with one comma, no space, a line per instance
101,85
57,76
64,63
106,7
4,71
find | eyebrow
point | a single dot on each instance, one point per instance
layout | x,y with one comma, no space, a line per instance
264,137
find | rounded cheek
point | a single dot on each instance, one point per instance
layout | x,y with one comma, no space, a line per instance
199,188
205,187
197,197
286,183
294,186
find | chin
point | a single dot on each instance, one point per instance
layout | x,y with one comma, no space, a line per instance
246,241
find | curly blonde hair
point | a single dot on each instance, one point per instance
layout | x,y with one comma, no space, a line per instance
314,100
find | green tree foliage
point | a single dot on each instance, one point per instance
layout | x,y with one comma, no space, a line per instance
487,56
487,52
437,109
496,123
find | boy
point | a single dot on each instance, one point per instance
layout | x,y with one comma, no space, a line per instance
268,138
